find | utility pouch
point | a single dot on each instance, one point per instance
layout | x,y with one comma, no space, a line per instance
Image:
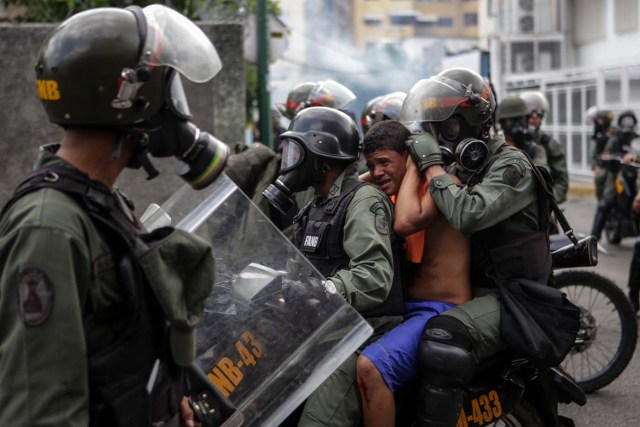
537,320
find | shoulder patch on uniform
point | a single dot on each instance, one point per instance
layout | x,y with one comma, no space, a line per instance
513,172
35,296
376,206
334,190
380,219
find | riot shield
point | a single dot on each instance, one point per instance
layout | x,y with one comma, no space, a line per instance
271,333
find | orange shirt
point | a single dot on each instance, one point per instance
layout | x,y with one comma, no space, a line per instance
414,243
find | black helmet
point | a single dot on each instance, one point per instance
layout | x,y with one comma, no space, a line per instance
536,102
512,107
459,91
627,120
325,132
109,67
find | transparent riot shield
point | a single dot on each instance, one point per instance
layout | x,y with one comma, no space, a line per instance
271,333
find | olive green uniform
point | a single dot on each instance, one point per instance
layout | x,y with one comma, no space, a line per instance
600,140
508,190
365,285
61,301
539,156
557,163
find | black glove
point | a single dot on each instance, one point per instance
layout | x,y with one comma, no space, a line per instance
297,292
424,150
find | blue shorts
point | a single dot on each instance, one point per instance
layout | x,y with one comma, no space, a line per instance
395,354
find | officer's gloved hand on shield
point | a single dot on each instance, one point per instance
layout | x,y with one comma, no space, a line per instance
424,150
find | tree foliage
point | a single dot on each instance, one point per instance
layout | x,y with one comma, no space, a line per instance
58,10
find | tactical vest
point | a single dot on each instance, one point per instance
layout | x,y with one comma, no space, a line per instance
118,374
515,247
319,233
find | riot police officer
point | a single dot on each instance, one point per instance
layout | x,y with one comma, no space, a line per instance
602,131
380,108
538,108
344,232
97,316
513,115
497,207
323,93
617,146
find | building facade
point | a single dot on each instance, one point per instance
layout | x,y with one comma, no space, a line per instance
579,53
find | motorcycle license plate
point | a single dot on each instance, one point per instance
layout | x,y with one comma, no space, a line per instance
480,410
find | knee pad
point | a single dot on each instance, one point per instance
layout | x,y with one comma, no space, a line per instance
446,352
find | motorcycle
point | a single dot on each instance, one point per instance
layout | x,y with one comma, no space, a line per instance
271,332
608,330
622,220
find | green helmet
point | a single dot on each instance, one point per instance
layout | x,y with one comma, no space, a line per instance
536,102
512,107
119,69
108,67
456,91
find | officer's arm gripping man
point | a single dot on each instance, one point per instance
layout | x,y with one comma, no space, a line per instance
367,242
506,189
43,354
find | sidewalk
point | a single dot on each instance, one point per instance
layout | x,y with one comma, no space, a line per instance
581,185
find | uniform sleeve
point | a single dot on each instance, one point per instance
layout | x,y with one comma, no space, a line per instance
506,189
367,242
43,369
558,166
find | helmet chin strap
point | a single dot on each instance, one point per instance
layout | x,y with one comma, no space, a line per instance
140,157
116,151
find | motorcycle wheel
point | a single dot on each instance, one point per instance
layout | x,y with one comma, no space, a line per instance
608,329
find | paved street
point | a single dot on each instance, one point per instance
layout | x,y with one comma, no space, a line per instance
618,403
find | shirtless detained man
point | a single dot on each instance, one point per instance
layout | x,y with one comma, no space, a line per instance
437,276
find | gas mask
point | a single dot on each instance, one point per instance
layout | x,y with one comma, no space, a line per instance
200,157
627,124
516,129
173,45
298,171
458,143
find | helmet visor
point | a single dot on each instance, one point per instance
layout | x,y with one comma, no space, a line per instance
433,100
174,41
292,154
330,93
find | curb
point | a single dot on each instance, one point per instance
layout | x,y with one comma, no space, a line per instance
582,190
